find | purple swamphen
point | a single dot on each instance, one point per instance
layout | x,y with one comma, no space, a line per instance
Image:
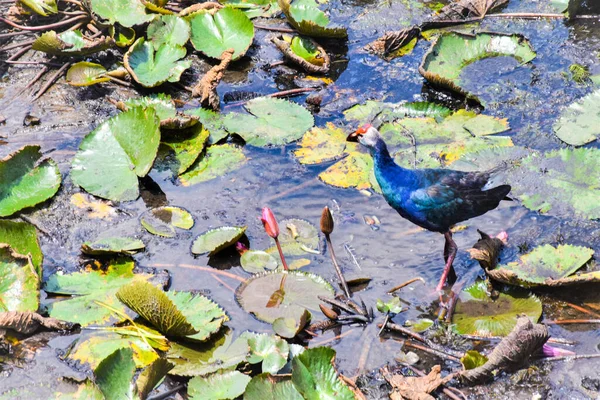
434,199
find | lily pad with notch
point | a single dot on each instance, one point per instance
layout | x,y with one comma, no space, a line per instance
215,240
162,221
211,121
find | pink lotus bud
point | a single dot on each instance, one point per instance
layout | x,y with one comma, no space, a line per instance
550,351
503,236
269,222
241,248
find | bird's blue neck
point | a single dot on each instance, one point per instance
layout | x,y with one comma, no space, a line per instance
386,169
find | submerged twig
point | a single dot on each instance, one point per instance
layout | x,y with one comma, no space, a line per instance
51,81
408,282
17,45
274,28
429,350
404,331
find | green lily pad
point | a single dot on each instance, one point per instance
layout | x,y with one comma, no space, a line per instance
268,387
388,112
211,121
321,145
304,52
219,386
451,52
206,316
392,306
544,263
111,157
217,161
86,73
152,304
256,261
579,123
297,237
162,221
22,238
473,359
180,149
168,29
228,28
113,245
305,16
26,180
161,103
355,170
19,283
69,43
150,68
282,294
255,8
558,182
421,325
289,327
270,350
152,376
306,49
125,12
271,122
91,349
122,36
40,7
115,373
477,314
315,377
215,240
219,353
89,288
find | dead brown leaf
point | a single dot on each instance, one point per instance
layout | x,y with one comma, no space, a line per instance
413,388
27,322
392,41
464,10
285,47
206,89
487,250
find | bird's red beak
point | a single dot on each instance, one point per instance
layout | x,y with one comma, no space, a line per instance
353,137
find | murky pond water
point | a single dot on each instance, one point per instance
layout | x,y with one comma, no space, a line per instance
530,96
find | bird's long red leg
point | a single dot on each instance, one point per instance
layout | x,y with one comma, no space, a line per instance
450,249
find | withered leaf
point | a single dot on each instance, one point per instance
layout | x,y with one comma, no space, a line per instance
463,10
27,322
206,89
487,250
413,388
392,41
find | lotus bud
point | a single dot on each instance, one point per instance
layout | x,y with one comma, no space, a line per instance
503,236
550,351
329,313
269,222
326,221
241,248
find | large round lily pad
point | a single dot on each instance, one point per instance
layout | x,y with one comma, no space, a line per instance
451,52
25,180
321,144
579,123
111,157
228,28
215,240
282,294
477,314
270,122
126,12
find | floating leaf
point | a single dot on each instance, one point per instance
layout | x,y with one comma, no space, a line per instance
26,180
289,327
451,52
162,221
219,386
215,240
86,73
217,161
152,376
393,306
180,149
315,377
122,36
125,12
421,325
161,103
91,349
271,122
558,182
40,7
168,29
19,283
115,373
353,171
150,69
256,261
305,16
271,350
297,238
91,287
389,112
299,291
69,43
579,123
228,28
113,245
113,155
156,307
304,52
543,265
22,238
255,8
220,353
477,314
321,144
203,314
473,359
211,121
268,387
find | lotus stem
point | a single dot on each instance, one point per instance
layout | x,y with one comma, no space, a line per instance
402,330
337,267
572,321
11,34
19,53
44,27
17,45
285,266
275,28
37,77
